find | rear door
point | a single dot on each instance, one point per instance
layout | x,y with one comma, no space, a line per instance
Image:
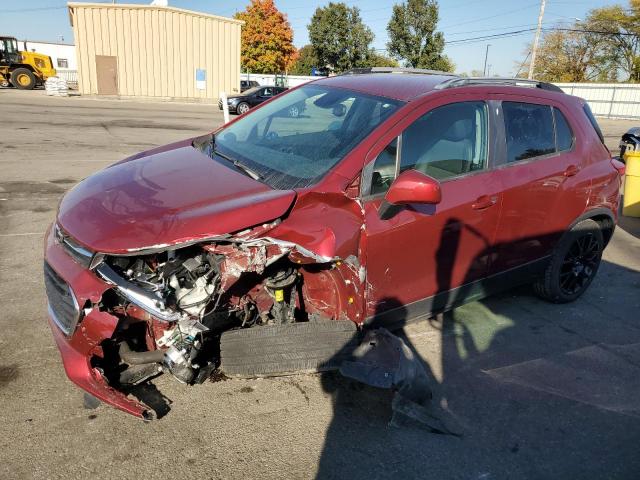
418,255
542,189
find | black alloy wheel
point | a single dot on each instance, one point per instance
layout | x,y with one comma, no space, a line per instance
580,264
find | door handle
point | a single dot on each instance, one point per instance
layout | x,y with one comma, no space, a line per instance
484,201
571,171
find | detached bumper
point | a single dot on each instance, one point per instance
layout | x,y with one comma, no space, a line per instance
84,341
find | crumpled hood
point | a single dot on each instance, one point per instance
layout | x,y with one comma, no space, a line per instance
166,198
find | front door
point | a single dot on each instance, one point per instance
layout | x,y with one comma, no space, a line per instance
422,258
107,72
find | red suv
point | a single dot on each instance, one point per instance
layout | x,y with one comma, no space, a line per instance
262,247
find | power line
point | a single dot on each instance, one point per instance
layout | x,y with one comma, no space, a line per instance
597,32
34,9
514,33
490,37
492,16
530,25
39,9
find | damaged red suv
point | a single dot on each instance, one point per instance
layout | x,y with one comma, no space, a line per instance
266,246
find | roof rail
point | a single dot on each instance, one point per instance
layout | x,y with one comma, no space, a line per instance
361,71
516,82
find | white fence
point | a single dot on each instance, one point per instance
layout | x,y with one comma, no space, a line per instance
71,76
610,100
290,80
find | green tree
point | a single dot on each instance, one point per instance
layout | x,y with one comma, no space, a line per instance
339,38
266,38
376,59
566,56
615,30
593,50
306,61
413,38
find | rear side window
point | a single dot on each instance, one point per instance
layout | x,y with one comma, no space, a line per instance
564,135
594,123
529,130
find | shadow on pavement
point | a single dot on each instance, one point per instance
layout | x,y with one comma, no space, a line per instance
538,391
630,225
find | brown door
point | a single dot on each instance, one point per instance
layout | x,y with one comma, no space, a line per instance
107,71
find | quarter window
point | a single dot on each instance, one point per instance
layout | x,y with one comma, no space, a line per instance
529,130
447,142
564,135
384,169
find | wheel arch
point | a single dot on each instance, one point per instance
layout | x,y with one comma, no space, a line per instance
16,66
603,217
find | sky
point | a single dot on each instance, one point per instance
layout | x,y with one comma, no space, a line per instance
462,22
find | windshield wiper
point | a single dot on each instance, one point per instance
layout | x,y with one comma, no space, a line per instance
236,163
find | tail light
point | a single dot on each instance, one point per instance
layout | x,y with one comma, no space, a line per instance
618,165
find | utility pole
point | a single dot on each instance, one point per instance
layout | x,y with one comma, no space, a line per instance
486,55
536,40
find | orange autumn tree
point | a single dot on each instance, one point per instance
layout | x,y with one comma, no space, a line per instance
267,39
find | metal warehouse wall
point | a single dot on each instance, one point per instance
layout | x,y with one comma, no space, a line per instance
611,100
155,51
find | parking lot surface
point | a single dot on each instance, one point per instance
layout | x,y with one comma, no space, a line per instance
539,390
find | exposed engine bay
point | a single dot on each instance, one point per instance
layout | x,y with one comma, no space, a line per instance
174,304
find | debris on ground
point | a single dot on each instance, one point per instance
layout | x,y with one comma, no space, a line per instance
384,360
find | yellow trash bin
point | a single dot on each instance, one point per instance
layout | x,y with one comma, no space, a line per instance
631,203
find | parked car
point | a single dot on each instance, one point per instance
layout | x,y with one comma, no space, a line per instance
630,142
247,84
264,246
254,96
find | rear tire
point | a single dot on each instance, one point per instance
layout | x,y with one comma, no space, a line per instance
573,265
284,349
23,78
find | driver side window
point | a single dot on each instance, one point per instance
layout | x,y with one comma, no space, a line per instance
446,142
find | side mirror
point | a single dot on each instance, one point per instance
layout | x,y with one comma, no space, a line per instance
413,186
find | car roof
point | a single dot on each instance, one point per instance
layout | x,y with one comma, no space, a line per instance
407,84
391,85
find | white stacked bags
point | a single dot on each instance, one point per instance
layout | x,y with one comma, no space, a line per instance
56,86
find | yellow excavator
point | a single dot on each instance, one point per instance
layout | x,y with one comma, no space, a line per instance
22,69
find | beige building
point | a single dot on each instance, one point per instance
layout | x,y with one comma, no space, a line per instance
149,51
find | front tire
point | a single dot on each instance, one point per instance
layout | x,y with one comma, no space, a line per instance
273,350
242,108
573,265
23,79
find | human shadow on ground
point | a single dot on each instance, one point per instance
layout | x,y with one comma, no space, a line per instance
508,428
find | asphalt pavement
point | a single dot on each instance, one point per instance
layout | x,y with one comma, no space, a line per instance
540,391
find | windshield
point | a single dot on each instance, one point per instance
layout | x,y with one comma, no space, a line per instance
297,138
